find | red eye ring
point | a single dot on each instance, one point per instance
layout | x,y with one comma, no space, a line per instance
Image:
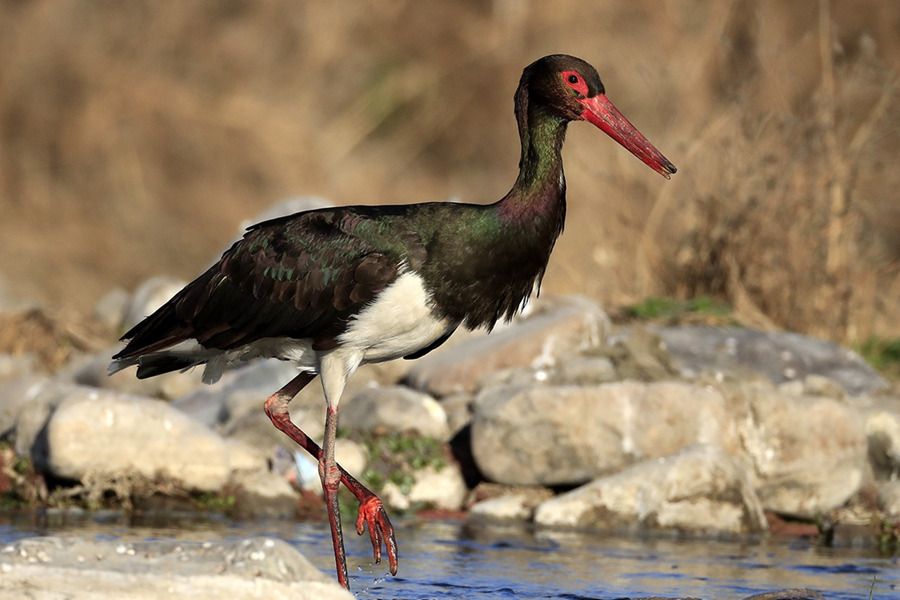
576,82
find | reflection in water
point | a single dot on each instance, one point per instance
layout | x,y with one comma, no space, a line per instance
453,560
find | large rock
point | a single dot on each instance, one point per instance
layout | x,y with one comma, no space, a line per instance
517,504
110,309
442,488
778,356
569,326
14,366
25,405
395,409
149,296
700,489
52,567
238,392
93,370
882,423
562,435
889,498
808,452
262,493
96,432
350,455
234,404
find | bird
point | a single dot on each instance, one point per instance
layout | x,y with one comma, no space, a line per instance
333,288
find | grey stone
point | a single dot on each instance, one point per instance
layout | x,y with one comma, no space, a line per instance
779,356
260,493
808,452
15,366
554,435
517,505
25,405
92,370
540,340
110,309
101,432
442,488
395,409
889,498
149,296
238,392
585,370
700,489
882,425
54,567
350,455
459,411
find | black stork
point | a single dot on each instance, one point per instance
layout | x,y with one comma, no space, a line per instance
333,288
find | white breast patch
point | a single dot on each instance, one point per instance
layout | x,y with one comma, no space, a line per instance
398,322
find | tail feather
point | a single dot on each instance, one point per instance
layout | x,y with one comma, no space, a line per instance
157,363
163,328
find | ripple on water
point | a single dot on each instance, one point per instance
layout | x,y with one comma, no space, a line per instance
454,561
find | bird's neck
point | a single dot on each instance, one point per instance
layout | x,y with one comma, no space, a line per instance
539,189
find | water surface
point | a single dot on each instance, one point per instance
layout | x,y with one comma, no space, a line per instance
458,560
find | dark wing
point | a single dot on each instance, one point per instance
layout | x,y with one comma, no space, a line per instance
302,276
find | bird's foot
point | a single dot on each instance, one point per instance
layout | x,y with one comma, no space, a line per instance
372,515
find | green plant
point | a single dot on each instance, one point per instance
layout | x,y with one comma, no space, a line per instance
883,354
673,309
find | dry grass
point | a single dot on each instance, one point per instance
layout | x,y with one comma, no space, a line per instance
135,136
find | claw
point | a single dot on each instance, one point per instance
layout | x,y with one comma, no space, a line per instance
372,515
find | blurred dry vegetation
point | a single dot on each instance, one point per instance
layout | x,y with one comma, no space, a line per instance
135,136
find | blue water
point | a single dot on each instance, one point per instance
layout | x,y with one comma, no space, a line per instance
457,560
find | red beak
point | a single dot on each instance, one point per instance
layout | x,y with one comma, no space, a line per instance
600,111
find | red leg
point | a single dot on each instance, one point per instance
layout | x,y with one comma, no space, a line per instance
331,481
371,510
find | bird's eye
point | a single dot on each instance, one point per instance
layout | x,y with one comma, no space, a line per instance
575,82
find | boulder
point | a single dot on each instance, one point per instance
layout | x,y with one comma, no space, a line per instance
238,392
55,567
14,366
779,356
459,411
442,488
350,455
25,405
700,489
540,340
564,435
93,370
149,296
882,425
889,498
110,309
395,409
261,493
516,505
808,452
101,432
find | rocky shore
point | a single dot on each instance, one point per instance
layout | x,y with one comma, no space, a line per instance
562,419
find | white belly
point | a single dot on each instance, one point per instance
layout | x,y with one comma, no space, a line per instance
399,322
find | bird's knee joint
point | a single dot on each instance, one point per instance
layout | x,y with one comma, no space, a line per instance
330,476
276,408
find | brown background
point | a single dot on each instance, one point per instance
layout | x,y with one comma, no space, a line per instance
135,136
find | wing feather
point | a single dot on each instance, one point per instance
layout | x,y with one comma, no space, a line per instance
300,277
